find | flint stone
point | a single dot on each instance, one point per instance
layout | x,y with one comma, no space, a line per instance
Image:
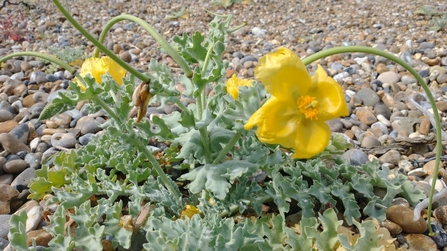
11,144
15,166
21,132
24,178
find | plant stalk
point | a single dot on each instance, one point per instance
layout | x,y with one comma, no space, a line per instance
349,49
104,49
164,44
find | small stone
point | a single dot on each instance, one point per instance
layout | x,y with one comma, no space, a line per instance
4,225
335,125
355,157
126,57
406,165
6,178
442,106
381,68
429,167
403,216
28,101
7,126
424,127
370,142
7,192
392,227
366,116
442,78
62,120
389,77
24,66
441,214
34,218
24,178
33,160
420,242
418,172
21,132
368,97
392,157
92,126
84,139
63,140
41,237
15,166
11,144
5,115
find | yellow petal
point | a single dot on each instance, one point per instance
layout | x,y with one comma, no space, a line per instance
329,94
234,83
311,138
281,124
189,211
283,75
277,123
114,69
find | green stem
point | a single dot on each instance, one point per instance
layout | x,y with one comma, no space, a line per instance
201,99
164,44
349,49
108,110
206,144
180,104
52,59
164,178
104,49
227,148
236,28
161,174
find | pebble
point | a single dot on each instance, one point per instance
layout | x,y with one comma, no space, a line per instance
389,77
21,132
24,178
403,216
15,166
392,157
63,140
11,144
41,237
420,242
4,225
368,97
34,218
355,157
365,115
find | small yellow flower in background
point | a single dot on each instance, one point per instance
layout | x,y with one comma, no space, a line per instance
100,66
295,115
189,211
234,83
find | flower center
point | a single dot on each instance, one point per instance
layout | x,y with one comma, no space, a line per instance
308,106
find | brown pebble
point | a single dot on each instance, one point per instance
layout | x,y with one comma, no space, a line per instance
366,116
441,214
392,227
41,237
434,61
403,217
126,57
7,126
381,68
424,128
420,242
442,106
430,167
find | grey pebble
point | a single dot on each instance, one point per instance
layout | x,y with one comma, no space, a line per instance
355,157
389,77
5,115
15,166
63,140
86,138
368,96
6,178
34,218
24,178
13,145
4,225
21,132
33,160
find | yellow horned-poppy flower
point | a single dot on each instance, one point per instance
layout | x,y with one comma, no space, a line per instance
100,66
295,115
234,83
189,211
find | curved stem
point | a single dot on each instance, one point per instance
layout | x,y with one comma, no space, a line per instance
206,143
227,148
164,44
104,49
349,49
52,59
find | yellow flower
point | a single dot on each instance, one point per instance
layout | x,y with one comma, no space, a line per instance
189,211
295,115
234,83
100,66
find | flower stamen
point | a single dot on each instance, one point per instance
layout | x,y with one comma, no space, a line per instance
308,106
